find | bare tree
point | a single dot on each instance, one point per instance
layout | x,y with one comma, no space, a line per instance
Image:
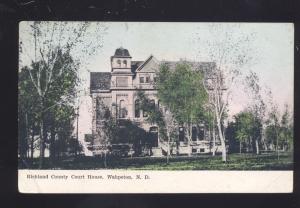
170,129
229,48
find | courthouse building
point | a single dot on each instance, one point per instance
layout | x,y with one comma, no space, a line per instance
116,92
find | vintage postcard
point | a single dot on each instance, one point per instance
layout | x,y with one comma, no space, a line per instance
155,107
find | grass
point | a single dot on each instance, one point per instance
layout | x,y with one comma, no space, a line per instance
203,162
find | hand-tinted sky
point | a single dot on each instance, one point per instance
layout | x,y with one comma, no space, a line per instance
272,49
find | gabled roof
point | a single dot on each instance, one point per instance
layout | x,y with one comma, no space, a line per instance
135,65
144,63
100,81
205,67
150,65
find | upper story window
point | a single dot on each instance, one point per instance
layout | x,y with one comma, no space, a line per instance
122,81
154,79
119,63
125,63
147,79
142,80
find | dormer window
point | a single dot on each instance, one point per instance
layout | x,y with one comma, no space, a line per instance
125,63
119,63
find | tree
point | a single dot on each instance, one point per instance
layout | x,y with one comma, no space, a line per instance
286,130
165,121
57,114
27,114
257,107
272,129
182,92
229,48
231,134
52,49
247,128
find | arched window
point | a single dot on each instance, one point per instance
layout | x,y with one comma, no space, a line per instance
181,134
137,109
122,109
119,63
125,63
151,106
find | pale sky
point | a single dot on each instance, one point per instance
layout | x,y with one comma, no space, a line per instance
273,44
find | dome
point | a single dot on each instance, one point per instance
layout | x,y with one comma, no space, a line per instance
122,52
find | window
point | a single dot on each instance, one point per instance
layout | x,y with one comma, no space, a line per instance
125,63
194,133
201,134
98,110
119,63
202,150
122,109
122,81
141,79
137,109
151,106
154,79
147,79
153,136
181,134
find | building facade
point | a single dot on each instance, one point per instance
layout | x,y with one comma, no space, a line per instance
116,91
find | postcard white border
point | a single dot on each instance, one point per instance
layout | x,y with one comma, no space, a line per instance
157,181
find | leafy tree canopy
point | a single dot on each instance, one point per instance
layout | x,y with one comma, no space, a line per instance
182,92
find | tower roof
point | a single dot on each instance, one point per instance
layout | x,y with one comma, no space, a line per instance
121,52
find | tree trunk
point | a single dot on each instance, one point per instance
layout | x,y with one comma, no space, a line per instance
189,139
222,139
52,144
27,137
77,140
240,147
214,139
42,143
105,162
168,152
277,148
32,145
257,146
42,135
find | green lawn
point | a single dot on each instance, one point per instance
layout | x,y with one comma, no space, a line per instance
203,162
